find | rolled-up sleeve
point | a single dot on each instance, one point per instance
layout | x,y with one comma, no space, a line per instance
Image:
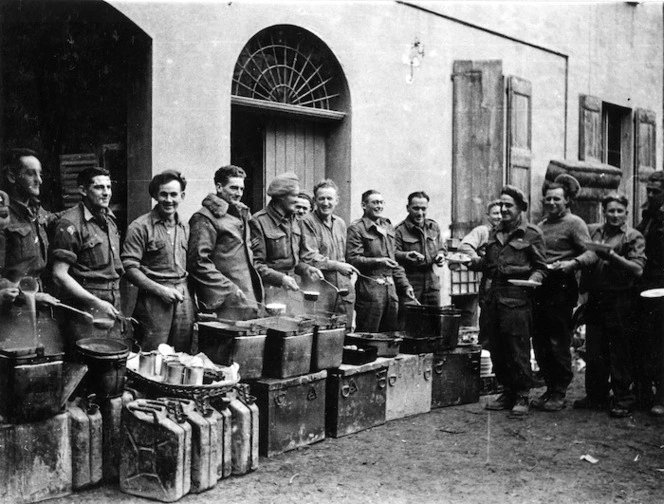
636,248
66,242
133,247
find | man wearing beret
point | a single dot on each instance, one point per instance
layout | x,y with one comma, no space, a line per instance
154,256
275,241
220,260
370,248
515,251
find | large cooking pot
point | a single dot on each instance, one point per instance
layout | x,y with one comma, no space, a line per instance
428,321
106,360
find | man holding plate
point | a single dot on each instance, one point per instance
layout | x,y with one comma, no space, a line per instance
514,255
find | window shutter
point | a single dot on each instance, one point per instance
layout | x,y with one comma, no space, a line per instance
70,166
477,143
519,132
645,151
590,128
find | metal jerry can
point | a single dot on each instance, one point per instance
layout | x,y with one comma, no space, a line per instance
408,385
206,442
356,397
456,377
156,452
292,412
244,437
85,424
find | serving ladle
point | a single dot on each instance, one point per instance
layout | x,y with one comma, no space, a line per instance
379,281
343,292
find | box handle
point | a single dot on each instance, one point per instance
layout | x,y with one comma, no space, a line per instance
382,378
427,374
392,380
280,399
312,395
350,388
438,366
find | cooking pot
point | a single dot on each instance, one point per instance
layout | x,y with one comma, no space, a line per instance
429,321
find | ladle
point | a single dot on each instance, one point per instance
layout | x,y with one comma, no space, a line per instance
379,281
310,295
413,298
341,292
84,313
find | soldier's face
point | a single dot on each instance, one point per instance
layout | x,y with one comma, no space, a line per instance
232,191
494,215
555,201
655,193
169,197
417,210
509,209
326,201
373,206
615,214
302,207
28,181
98,194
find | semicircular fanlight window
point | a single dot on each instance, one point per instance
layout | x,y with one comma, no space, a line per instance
285,66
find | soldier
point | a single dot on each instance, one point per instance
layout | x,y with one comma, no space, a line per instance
154,256
86,256
275,241
370,248
304,205
419,246
219,259
324,246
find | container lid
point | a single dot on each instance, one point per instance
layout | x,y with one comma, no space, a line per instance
102,346
384,336
349,369
461,349
30,354
280,383
225,329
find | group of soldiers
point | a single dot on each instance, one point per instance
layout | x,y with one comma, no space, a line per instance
224,261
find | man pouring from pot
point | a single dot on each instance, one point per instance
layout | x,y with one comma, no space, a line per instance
86,256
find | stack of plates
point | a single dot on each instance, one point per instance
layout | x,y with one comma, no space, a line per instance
486,368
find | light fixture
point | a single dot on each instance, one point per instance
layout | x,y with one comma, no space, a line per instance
412,57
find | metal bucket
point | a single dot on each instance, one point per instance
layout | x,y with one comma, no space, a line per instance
428,321
106,360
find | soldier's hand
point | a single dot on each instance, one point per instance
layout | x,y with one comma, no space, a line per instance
289,283
414,256
41,298
106,309
345,269
390,263
240,296
315,274
171,295
9,294
410,293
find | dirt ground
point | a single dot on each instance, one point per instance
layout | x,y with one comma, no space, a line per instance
459,454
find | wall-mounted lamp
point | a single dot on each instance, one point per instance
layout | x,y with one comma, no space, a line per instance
412,57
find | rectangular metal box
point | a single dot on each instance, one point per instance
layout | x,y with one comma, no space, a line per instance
356,397
409,385
227,343
292,412
456,377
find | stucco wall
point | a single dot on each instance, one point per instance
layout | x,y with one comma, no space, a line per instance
401,133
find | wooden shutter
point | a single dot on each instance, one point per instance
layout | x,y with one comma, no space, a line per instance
590,128
70,166
645,128
477,141
519,132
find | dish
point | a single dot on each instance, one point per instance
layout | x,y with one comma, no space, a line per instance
525,283
598,247
653,293
457,257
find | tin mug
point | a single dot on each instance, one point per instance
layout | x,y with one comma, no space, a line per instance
193,375
175,373
165,361
146,363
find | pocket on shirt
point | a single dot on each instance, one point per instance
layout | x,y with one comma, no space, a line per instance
276,245
20,243
411,243
92,254
155,246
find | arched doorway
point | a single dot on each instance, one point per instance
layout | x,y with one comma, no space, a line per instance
75,86
290,112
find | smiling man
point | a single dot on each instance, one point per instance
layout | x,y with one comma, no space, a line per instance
370,248
324,246
86,255
419,246
154,256
220,260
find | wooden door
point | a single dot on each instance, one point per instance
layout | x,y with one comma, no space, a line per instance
645,154
295,146
519,133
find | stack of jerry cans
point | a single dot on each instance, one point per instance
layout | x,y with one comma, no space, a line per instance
409,385
155,452
456,376
292,412
356,397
